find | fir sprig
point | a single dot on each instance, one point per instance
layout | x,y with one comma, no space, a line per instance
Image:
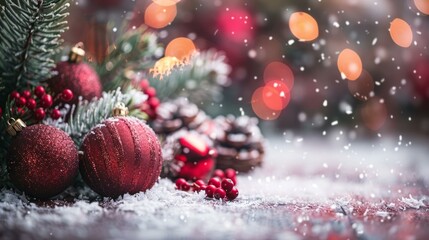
30,34
132,52
90,113
199,80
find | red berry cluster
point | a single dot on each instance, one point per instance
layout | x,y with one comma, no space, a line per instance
217,187
37,104
152,103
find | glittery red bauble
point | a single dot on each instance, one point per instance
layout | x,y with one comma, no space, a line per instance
80,78
197,170
42,161
121,155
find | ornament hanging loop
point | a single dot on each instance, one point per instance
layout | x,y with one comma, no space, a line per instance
77,53
15,126
120,110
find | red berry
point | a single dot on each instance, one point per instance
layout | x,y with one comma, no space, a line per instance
39,114
185,187
203,188
219,173
227,184
215,182
232,194
55,114
67,95
14,95
219,193
39,91
180,182
230,173
26,94
153,102
144,84
150,91
46,101
200,183
20,102
31,104
210,189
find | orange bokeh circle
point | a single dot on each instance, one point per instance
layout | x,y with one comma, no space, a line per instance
362,87
157,16
181,48
374,114
280,72
260,108
401,33
303,26
422,6
349,64
276,95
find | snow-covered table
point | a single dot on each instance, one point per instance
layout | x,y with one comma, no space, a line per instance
308,188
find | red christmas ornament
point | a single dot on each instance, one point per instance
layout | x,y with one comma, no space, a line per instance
122,155
76,76
42,160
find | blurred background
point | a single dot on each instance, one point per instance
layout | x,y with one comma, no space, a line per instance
390,96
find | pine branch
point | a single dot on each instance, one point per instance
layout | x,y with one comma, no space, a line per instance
200,80
30,34
134,51
88,114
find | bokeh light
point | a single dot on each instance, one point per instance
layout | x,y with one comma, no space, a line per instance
260,108
166,3
181,48
164,66
157,16
401,33
303,26
422,6
276,95
280,72
349,64
374,114
362,87
236,25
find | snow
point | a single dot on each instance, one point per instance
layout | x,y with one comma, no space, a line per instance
301,186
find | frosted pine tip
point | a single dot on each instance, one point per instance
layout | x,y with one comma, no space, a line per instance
164,66
77,53
120,110
15,126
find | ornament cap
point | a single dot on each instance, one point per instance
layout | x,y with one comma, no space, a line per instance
77,53
15,126
120,110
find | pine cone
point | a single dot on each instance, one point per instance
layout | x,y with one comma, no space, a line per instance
177,114
239,143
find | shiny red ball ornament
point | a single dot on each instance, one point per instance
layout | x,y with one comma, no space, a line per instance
42,161
46,101
121,155
80,78
39,91
39,114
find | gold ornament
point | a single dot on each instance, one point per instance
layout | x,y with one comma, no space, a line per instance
77,53
120,110
15,126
